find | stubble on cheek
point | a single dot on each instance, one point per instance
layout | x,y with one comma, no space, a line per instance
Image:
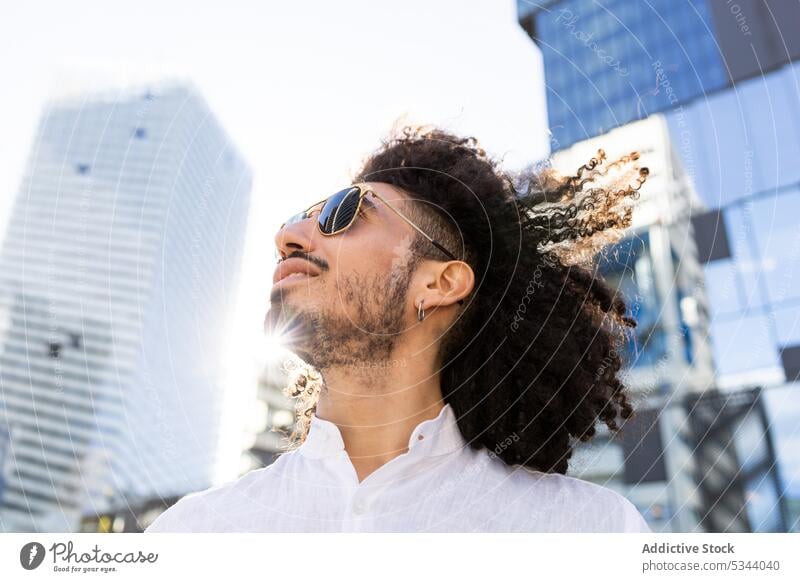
358,324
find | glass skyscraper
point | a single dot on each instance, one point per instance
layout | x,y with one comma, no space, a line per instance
721,76
116,279
610,62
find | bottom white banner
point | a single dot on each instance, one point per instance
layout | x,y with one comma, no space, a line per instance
242,557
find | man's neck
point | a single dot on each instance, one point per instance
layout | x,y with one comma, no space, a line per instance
377,405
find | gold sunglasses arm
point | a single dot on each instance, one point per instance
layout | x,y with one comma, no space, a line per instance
409,221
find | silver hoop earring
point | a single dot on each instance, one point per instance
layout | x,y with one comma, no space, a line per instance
420,312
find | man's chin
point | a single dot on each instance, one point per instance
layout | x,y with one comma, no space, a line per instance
292,327
278,320
306,287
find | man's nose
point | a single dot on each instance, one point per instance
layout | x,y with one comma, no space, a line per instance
298,236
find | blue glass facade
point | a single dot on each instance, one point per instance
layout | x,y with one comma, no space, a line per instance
628,267
740,148
614,62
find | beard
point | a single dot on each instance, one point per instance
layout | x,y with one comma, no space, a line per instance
361,333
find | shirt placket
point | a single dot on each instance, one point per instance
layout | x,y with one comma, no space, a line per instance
359,502
355,505
361,497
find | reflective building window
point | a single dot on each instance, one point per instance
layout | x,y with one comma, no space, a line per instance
628,267
613,62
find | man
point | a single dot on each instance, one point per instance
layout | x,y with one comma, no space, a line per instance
457,343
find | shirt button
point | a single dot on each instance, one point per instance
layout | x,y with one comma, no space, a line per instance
359,506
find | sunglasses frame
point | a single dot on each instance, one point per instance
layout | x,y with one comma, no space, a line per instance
363,191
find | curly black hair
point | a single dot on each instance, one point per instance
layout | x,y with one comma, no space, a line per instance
533,361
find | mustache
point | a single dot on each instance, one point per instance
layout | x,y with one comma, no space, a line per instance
321,263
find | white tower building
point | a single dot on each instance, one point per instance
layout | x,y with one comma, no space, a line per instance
116,279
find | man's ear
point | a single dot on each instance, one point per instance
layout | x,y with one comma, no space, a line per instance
446,283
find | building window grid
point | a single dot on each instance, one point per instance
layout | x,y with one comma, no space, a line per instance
766,307
658,40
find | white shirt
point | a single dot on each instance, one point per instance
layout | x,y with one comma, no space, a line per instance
439,485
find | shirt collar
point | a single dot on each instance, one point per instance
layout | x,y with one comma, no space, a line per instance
430,438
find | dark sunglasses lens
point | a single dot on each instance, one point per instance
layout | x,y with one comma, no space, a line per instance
339,211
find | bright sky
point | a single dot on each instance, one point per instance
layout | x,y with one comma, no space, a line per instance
305,89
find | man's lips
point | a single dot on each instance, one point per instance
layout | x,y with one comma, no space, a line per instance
292,266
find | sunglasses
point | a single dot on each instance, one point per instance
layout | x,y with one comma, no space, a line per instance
339,212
